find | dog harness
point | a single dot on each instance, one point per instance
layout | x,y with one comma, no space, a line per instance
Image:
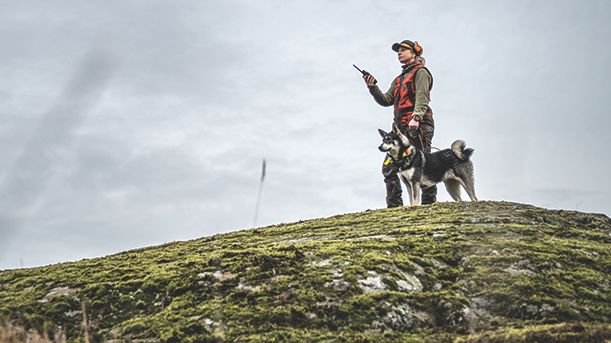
405,159
405,93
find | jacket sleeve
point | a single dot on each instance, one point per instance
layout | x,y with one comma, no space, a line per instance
423,94
384,99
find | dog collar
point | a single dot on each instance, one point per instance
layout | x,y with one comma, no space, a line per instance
407,152
404,160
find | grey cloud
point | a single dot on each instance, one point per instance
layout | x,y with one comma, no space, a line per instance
204,90
29,176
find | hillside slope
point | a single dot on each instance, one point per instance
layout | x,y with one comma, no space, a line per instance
477,272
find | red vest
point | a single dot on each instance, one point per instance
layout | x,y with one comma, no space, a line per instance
405,94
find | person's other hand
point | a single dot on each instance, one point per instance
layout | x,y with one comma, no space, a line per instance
413,124
369,80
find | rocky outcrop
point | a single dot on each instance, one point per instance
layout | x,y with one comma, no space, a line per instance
479,272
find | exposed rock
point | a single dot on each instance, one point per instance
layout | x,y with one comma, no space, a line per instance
373,283
322,263
376,237
402,317
59,292
409,283
223,276
248,288
513,270
478,272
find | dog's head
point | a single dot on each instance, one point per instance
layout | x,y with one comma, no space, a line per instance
390,141
393,141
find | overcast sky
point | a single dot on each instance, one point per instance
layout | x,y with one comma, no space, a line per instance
125,124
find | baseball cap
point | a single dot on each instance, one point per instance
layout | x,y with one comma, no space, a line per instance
408,44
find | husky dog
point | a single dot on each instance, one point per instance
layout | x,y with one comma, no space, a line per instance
419,170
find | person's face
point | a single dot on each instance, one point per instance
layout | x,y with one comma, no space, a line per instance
405,55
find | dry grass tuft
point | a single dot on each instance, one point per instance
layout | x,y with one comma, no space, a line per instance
10,333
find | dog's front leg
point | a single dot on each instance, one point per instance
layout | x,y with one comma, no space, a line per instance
416,190
410,191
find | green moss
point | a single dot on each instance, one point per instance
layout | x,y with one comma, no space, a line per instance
499,270
566,332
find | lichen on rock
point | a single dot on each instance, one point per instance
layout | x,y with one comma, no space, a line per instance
473,272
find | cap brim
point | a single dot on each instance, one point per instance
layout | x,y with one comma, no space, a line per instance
395,47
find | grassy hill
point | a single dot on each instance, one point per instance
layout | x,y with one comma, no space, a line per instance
472,272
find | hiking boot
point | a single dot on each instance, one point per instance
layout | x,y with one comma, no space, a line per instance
429,195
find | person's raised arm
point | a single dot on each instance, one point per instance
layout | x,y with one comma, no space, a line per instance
384,99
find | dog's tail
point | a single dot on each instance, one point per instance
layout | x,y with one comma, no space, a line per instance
458,148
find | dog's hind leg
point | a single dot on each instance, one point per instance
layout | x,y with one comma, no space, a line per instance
470,188
453,187
468,184
464,173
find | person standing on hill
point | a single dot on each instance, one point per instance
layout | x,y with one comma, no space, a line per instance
409,93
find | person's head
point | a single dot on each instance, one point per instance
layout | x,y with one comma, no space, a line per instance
408,52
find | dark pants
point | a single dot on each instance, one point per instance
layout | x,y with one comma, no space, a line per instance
424,137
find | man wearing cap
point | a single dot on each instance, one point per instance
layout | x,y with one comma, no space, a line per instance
409,93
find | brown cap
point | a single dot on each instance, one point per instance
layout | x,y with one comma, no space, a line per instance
408,44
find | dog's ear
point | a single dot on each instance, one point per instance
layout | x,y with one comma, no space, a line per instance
404,139
395,129
382,133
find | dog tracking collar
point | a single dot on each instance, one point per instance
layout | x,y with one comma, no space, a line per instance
407,152
404,161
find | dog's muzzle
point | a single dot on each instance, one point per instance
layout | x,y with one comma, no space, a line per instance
381,148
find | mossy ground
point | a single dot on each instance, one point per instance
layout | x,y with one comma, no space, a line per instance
475,272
